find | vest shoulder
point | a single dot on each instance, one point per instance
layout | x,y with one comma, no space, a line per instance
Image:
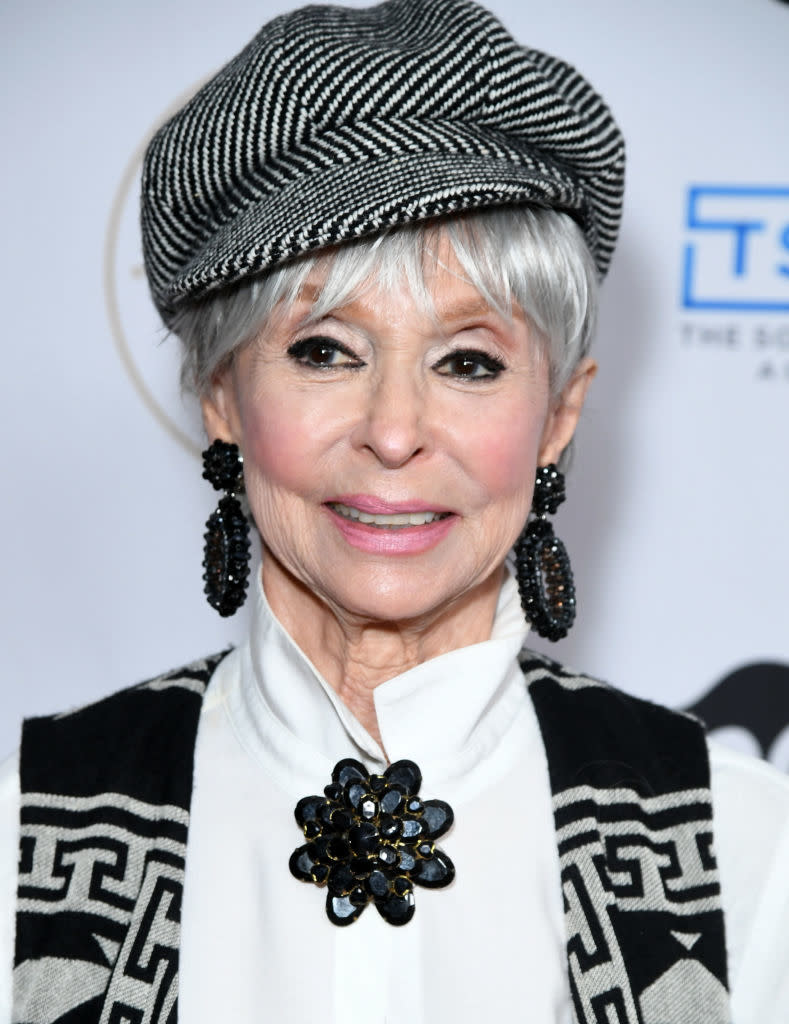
123,736
602,736
188,679
539,669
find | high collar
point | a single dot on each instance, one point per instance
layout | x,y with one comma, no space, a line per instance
447,714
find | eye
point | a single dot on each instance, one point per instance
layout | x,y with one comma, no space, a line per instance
470,364
323,353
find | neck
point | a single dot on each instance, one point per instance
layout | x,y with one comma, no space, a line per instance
355,655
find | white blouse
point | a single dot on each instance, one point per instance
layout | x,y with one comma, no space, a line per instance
256,942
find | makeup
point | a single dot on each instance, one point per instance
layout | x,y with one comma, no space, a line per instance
390,528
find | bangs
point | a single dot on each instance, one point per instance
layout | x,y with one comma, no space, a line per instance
531,257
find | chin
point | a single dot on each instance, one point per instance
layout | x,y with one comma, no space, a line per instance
410,599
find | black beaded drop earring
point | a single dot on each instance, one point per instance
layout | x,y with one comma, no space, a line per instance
545,579
226,551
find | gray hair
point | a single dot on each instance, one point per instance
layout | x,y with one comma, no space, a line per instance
534,257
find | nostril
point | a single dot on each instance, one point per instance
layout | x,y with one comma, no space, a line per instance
393,430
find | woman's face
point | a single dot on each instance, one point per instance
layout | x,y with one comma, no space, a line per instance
390,452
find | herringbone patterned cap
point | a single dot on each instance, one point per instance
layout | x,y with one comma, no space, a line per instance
334,123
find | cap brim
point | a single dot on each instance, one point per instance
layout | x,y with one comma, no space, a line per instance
303,216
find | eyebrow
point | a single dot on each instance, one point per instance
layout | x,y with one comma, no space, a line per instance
477,306
472,307
308,292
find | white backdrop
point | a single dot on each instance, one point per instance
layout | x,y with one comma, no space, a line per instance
677,513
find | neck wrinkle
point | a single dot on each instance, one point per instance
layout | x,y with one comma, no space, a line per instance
355,658
446,713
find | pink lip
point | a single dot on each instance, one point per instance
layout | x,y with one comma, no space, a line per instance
406,540
378,507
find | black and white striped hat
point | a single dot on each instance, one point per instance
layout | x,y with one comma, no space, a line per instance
335,123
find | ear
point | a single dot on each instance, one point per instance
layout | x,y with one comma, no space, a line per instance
220,408
565,413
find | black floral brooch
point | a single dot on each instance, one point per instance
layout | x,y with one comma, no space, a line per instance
371,838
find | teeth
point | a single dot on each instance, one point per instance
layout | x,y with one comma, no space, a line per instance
393,520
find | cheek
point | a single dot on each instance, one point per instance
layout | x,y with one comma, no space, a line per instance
284,442
505,451
273,451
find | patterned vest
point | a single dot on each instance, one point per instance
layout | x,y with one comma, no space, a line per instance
105,803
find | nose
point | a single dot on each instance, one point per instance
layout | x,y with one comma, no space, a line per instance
392,425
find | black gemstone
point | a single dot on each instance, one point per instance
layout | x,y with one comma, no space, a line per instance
391,801
307,808
368,807
405,774
361,867
364,838
388,855
349,770
302,864
341,911
341,820
370,838
320,874
397,910
341,881
377,884
389,827
436,872
412,828
359,896
407,859
354,792
338,849
401,886
438,817
317,848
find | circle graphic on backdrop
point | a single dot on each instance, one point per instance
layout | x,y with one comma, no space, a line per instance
152,367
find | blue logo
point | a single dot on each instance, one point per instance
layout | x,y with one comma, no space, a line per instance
737,256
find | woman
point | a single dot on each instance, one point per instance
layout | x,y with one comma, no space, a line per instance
378,235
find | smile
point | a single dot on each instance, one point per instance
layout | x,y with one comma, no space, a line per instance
387,521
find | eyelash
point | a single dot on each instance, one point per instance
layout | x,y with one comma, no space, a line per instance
489,363
303,351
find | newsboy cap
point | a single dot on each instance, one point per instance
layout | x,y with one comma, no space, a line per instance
336,123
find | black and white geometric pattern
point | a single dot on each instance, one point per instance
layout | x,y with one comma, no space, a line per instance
633,814
105,813
100,878
336,123
102,855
